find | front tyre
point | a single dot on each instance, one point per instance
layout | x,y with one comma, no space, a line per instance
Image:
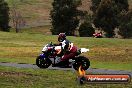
43,62
81,61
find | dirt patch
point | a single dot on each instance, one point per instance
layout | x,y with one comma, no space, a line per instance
15,74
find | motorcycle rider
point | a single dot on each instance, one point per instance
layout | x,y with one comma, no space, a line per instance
68,49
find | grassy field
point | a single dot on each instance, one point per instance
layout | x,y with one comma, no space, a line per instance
35,30
42,78
24,47
104,53
36,12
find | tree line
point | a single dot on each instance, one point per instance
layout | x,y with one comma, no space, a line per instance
109,16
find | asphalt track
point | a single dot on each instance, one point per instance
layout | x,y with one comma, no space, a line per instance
90,70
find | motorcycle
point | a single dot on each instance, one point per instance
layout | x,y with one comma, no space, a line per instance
97,35
50,56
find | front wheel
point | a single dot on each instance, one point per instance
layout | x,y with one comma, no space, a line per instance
43,62
81,61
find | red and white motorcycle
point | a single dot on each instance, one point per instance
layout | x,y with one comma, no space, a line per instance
50,56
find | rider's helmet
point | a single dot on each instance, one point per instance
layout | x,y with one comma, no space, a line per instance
61,37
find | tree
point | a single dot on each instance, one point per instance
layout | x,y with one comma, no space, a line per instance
95,4
17,18
64,16
4,16
86,29
125,28
107,15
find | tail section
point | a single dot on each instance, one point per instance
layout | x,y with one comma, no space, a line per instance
83,50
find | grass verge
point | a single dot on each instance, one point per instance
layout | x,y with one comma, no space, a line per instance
104,53
42,78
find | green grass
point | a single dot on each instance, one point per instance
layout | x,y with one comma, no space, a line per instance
112,65
42,78
21,47
104,53
36,30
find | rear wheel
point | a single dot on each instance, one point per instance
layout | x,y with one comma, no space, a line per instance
81,61
43,62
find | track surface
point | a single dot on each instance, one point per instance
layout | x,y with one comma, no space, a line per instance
90,70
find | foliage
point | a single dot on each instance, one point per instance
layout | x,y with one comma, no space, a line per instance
4,16
86,29
95,4
64,16
107,15
125,28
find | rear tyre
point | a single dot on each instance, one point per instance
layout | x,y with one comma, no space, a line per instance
81,80
81,61
43,62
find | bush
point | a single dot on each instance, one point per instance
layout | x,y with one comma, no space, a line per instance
86,30
4,16
125,28
106,14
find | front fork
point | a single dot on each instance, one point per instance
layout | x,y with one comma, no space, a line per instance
42,55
